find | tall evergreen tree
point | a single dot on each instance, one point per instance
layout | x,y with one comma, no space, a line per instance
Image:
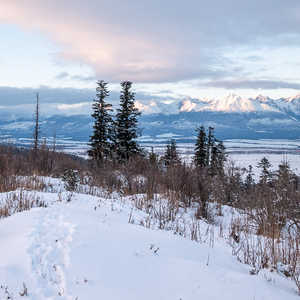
200,157
126,125
100,141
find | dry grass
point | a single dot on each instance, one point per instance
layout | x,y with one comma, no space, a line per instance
264,235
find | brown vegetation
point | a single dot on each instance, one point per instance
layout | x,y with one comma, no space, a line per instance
264,235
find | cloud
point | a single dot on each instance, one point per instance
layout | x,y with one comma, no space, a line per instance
21,101
15,96
10,96
62,75
73,106
157,41
252,84
66,75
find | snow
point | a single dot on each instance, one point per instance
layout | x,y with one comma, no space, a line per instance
17,125
93,248
244,160
229,103
187,106
167,135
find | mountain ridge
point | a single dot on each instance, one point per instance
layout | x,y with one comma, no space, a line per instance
233,118
236,103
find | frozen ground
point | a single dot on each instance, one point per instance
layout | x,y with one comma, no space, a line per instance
89,249
244,160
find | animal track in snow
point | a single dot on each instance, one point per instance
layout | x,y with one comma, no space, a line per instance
49,252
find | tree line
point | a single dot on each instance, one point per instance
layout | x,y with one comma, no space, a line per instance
115,137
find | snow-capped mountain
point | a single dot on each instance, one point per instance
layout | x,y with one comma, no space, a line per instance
232,117
231,103
289,105
235,103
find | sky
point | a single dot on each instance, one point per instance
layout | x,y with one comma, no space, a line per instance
169,49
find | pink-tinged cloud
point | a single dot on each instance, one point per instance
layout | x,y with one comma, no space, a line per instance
154,41
113,52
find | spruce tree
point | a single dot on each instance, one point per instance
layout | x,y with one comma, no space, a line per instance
200,157
209,152
171,156
213,164
284,174
249,182
153,157
100,141
126,124
219,156
266,174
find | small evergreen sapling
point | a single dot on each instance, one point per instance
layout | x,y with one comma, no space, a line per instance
71,180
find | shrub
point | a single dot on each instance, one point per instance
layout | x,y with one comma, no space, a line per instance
71,179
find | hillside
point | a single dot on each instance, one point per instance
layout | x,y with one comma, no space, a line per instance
95,248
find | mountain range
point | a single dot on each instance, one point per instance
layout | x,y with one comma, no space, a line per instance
232,117
234,103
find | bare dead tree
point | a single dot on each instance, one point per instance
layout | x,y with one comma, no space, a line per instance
54,141
36,132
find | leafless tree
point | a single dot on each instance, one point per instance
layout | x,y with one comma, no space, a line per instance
36,132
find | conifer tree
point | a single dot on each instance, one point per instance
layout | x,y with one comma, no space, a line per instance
284,174
209,152
213,164
249,182
221,156
153,157
218,156
100,141
171,156
126,125
200,157
266,174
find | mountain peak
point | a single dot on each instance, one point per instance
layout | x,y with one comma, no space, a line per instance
262,98
293,98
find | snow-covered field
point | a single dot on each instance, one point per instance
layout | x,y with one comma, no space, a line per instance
242,152
95,248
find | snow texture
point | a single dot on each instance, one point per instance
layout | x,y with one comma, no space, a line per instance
89,249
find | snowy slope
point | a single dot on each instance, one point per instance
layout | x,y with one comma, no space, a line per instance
86,249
